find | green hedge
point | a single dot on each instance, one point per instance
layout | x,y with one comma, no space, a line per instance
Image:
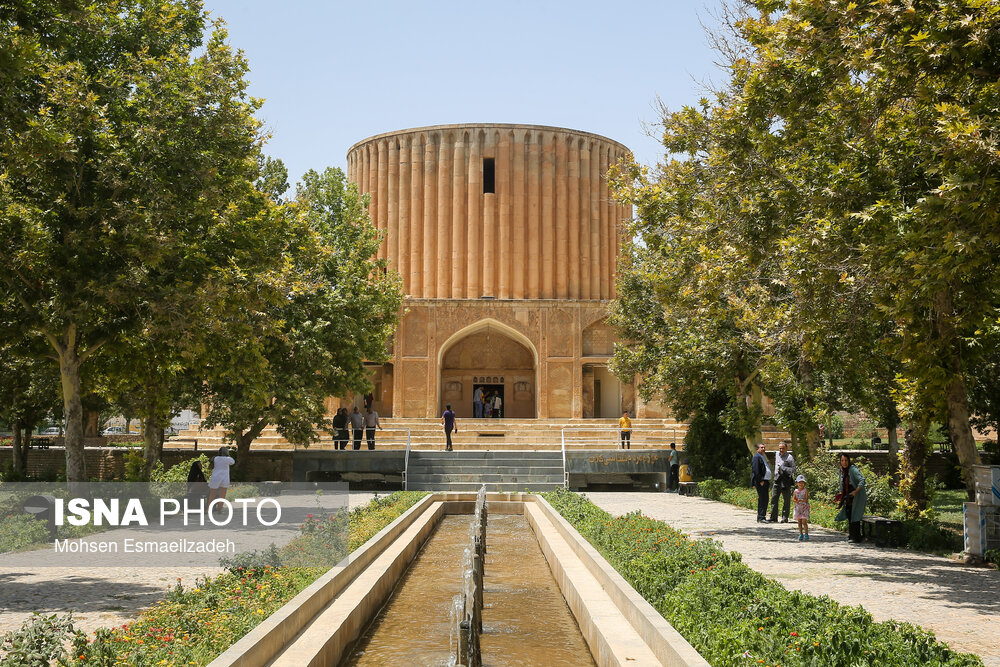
735,616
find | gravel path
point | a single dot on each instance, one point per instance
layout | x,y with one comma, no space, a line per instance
97,596
960,604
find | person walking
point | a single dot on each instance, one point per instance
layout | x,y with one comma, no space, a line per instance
625,431
760,477
218,483
340,423
852,498
477,403
674,459
197,485
801,513
488,405
371,423
784,473
357,426
497,406
448,420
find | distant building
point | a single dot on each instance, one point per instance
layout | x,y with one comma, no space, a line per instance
507,239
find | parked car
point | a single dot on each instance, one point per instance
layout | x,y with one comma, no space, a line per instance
114,430
52,430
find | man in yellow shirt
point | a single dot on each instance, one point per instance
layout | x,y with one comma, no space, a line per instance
625,425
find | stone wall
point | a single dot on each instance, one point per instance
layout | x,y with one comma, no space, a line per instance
108,463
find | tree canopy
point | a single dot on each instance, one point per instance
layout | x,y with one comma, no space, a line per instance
144,234
828,217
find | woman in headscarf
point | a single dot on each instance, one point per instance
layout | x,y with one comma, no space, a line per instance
852,497
197,485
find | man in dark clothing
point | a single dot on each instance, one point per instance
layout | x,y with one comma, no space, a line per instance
761,479
784,474
674,459
448,419
340,434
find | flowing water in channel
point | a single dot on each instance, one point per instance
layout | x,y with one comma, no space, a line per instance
525,619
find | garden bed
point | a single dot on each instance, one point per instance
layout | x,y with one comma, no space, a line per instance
736,616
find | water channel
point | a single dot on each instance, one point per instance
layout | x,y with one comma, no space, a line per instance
525,619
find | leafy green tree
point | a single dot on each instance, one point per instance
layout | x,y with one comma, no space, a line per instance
836,204
709,449
29,390
898,103
339,309
126,141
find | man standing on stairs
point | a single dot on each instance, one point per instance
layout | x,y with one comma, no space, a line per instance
371,423
477,403
357,426
625,428
448,419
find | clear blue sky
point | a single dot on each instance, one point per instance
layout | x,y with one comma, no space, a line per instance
333,73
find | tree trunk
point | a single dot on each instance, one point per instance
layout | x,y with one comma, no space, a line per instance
894,452
814,441
961,432
956,397
152,442
18,464
749,394
914,473
756,399
243,442
26,446
69,373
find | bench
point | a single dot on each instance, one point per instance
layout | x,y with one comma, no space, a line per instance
885,532
687,489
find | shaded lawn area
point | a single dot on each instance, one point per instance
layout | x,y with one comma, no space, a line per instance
948,505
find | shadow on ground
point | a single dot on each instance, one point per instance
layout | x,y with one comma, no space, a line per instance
20,592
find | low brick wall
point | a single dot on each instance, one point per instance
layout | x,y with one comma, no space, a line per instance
108,463
943,465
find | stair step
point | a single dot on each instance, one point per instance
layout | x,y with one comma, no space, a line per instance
471,470
497,478
460,487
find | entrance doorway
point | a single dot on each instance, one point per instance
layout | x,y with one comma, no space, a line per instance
491,357
602,392
489,391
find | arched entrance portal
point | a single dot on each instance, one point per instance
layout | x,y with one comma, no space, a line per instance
488,356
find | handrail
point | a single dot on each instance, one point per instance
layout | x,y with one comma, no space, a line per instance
406,459
598,440
565,472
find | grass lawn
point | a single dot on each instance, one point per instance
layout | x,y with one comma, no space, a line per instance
948,505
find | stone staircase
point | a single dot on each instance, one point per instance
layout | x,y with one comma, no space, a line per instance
497,470
426,434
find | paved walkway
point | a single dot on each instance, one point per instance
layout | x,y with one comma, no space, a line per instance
97,596
960,604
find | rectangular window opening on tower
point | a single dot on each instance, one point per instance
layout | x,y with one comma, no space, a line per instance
489,176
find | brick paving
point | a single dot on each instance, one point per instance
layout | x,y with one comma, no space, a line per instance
959,604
